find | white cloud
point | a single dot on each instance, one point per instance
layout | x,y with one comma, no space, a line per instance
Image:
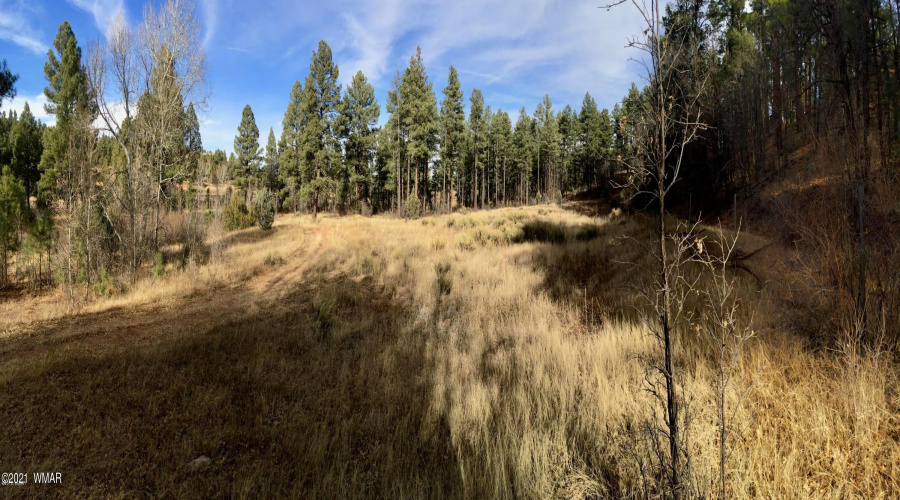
14,27
210,16
35,105
538,46
103,10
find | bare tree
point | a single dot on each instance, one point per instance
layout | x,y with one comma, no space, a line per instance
142,79
672,121
728,329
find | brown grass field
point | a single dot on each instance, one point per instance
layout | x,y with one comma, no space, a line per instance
439,358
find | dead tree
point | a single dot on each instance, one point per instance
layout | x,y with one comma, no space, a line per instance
672,120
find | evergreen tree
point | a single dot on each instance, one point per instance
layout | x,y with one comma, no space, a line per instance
359,116
523,154
487,154
193,144
67,94
452,127
321,98
26,148
246,148
501,128
290,148
7,82
265,208
547,148
569,135
395,139
419,116
476,128
12,212
271,177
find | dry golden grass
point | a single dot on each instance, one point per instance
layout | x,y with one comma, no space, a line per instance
441,357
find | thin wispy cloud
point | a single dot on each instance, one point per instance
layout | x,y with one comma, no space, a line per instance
16,28
238,49
103,10
210,18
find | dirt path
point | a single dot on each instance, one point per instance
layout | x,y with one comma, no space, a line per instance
120,327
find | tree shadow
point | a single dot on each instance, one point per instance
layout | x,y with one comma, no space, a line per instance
322,394
597,270
248,236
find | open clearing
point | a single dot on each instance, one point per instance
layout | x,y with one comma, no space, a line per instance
470,355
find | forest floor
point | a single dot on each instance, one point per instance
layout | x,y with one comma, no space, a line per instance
488,354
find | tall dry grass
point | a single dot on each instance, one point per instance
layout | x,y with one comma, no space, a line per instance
450,356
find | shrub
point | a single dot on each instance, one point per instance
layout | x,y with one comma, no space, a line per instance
159,266
466,222
513,234
236,216
273,259
413,207
465,242
587,232
265,209
444,278
104,283
543,231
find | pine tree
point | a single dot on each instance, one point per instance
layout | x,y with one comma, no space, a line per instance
67,94
270,172
359,117
523,153
246,148
26,147
547,147
265,208
487,155
476,128
7,82
12,210
193,144
290,148
569,135
501,128
453,121
321,98
420,121
395,142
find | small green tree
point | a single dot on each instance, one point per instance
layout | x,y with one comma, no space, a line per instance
235,215
12,209
265,209
413,207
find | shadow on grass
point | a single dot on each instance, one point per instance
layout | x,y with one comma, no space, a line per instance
322,395
248,236
596,268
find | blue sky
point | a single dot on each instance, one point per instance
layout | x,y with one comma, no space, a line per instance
514,51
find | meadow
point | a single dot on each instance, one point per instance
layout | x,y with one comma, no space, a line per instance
492,354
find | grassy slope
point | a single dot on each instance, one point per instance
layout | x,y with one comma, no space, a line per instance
444,357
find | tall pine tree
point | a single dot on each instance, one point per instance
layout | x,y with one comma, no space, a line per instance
453,122
246,149
291,148
359,116
321,98
476,128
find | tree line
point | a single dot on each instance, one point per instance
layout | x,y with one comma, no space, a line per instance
332,153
